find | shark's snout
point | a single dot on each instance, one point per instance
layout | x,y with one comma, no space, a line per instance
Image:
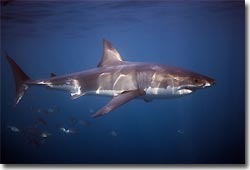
208,82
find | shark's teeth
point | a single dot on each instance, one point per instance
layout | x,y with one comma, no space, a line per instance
207,84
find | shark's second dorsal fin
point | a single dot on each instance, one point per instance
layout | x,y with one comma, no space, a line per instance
110,55
52,75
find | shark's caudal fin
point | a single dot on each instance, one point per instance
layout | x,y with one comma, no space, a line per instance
20,79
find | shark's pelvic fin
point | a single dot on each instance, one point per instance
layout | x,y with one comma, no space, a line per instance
76,96
20,79
110,55
118,101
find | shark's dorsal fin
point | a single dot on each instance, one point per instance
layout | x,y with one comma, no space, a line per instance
110,55
52,75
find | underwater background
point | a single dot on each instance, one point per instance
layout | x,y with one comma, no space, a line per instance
62,37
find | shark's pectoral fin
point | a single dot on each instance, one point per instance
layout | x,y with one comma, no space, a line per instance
118,101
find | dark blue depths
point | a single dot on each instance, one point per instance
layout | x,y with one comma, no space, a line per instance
64,37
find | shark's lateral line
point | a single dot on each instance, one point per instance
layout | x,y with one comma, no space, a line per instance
122,80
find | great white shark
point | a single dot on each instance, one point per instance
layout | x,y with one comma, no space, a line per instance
122,80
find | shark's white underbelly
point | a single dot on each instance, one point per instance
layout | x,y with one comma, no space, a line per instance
163,93
105,92
150,93
75,89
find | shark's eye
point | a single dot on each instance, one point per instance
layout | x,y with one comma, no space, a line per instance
196,80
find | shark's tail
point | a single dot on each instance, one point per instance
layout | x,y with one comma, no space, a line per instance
21,79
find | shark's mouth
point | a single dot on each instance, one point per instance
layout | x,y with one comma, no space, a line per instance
192,88
207,84
189,87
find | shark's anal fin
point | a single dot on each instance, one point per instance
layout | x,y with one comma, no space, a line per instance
76,96
148,100
118,101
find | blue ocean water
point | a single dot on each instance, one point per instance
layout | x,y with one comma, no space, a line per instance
63,37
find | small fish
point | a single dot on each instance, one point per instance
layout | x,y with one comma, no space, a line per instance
42,121
85,123
67,130
50,110
113,133
180,131
35,136
13,129
45,134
